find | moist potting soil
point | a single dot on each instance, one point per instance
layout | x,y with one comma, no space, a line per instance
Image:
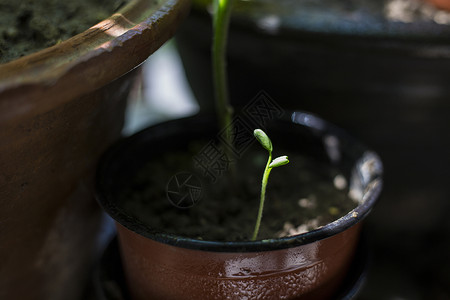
174,194
27,26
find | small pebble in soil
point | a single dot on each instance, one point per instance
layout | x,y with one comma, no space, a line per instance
289,229
340,182
334,211
309,202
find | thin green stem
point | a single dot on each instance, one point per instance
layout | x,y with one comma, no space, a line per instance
263,196
221,20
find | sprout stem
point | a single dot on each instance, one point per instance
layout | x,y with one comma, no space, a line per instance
265,179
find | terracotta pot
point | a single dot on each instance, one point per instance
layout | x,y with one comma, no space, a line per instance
307,266
59,109
444,4
108,282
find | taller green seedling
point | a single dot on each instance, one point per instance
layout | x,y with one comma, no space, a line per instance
221,20
265,141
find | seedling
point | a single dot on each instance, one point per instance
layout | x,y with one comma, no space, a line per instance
265,141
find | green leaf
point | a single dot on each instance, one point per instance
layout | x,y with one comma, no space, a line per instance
279,161
263,139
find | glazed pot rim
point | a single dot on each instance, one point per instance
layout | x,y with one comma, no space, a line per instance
307,120
81,64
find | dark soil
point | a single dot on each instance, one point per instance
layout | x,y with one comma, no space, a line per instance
27,26
301,196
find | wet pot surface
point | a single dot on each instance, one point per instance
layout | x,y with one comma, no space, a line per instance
108,281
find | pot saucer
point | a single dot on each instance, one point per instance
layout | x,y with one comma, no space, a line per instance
109,281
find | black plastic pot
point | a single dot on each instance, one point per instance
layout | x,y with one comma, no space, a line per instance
155,262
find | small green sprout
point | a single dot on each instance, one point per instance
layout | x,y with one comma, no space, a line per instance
265,141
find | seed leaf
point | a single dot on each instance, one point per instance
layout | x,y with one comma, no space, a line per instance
279,161
263,139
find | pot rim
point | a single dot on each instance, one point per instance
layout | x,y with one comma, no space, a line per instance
311,122
39,81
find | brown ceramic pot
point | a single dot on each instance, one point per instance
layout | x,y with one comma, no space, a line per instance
312,265
59,109
315,270
444,4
